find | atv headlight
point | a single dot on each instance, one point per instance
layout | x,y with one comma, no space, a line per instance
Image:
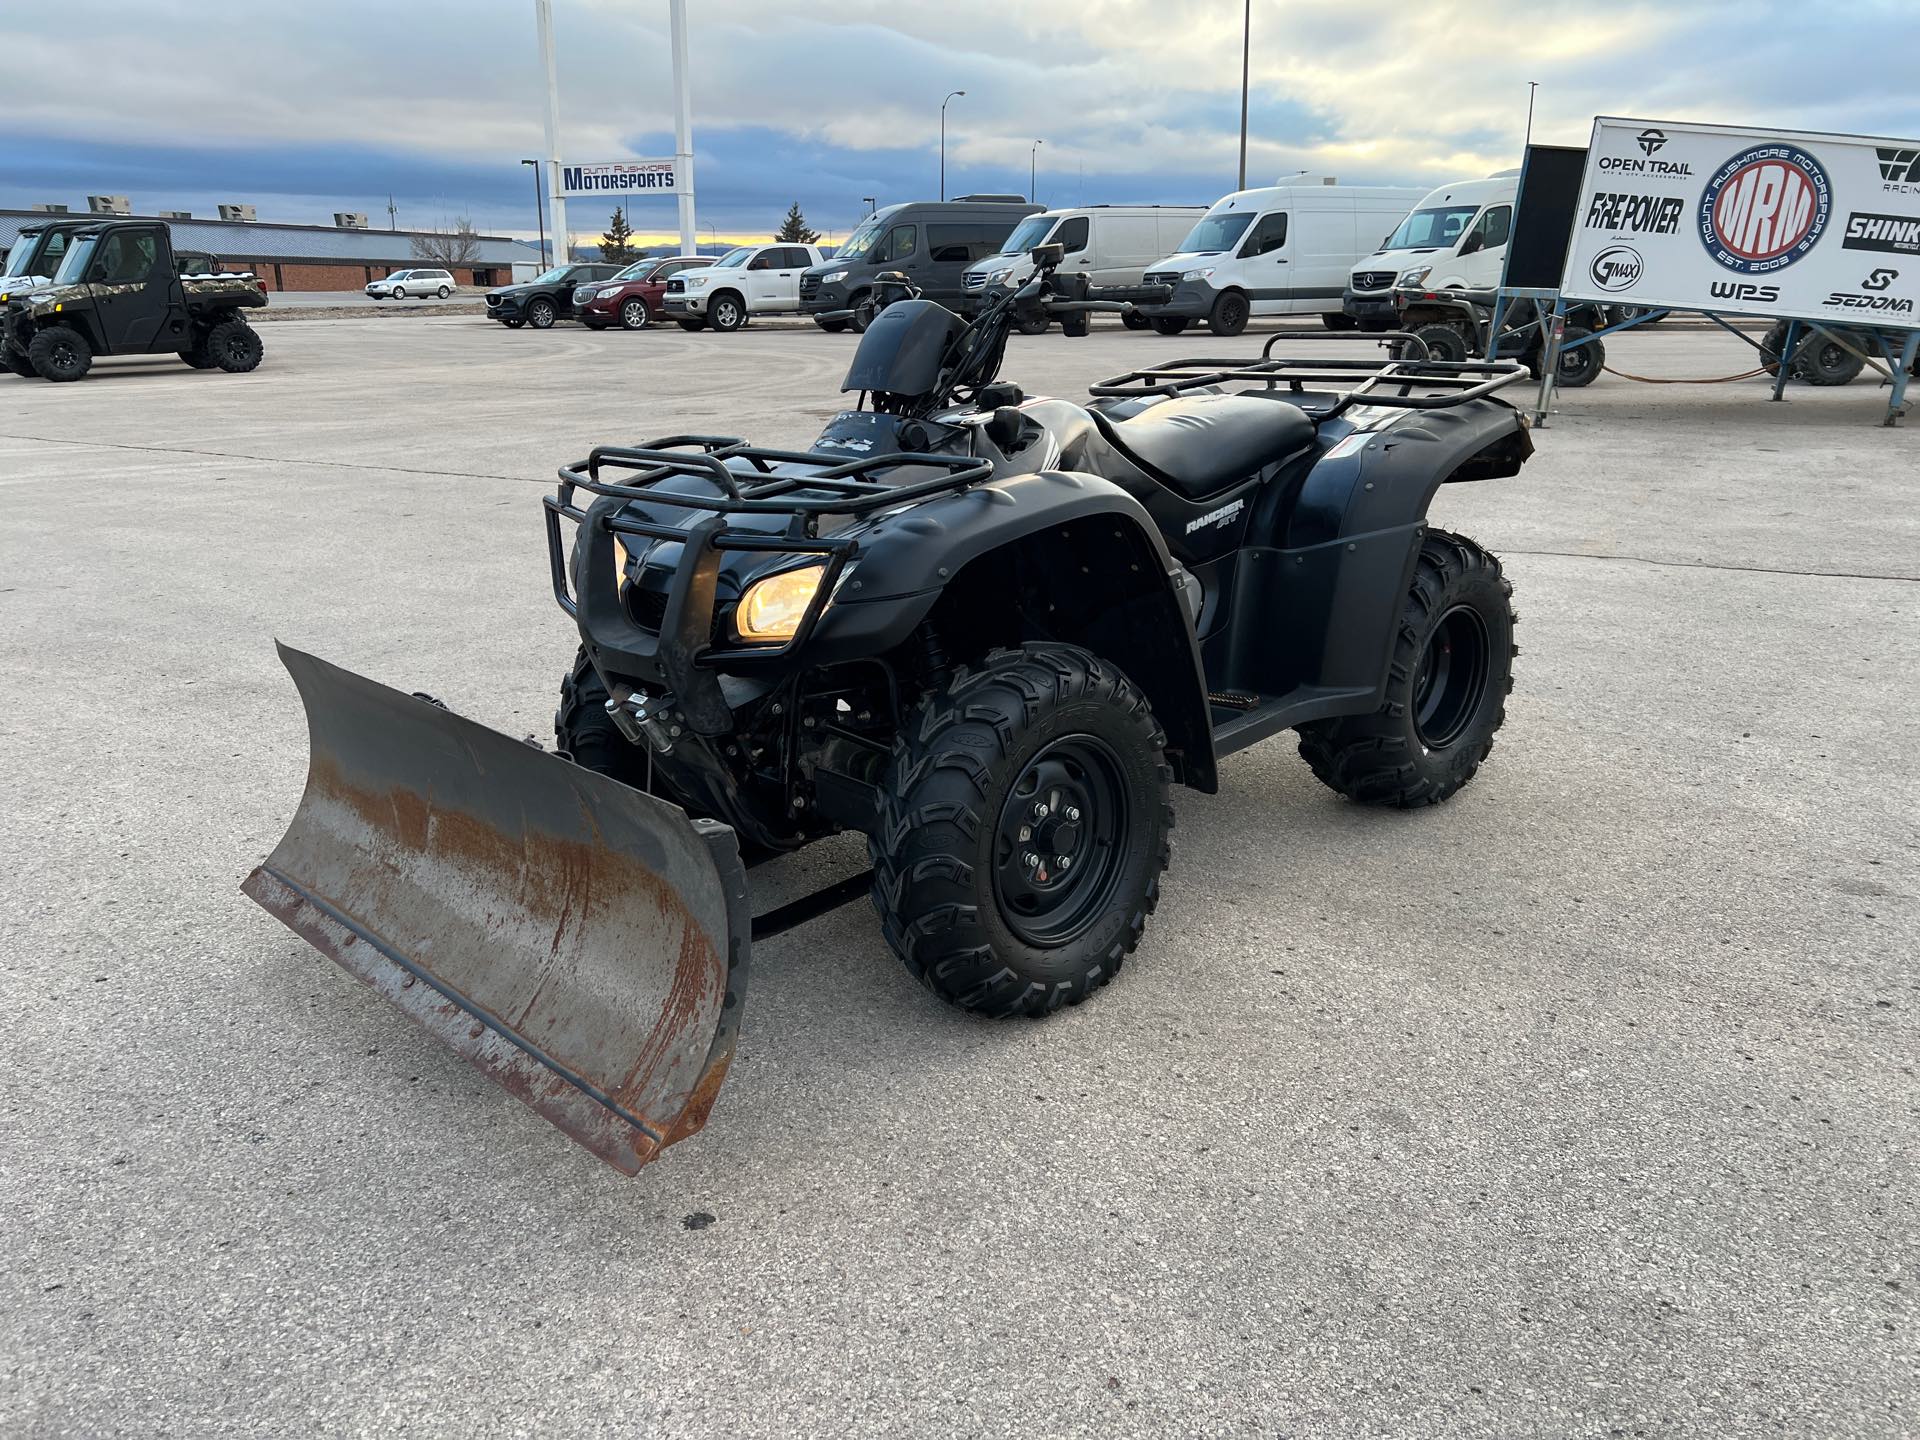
772,608
833,277
619,567
1198,274
1416,275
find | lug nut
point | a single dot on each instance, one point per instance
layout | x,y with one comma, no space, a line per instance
1072,814
1040,810
1065,862
1032,860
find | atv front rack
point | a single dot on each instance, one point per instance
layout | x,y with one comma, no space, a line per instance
681,653
1398,384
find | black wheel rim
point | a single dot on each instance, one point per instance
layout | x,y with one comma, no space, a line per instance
1575,362
236,347
1060,843
1452,678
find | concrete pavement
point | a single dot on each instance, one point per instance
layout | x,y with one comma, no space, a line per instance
1583,1105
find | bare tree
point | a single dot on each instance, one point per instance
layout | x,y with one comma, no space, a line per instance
458,246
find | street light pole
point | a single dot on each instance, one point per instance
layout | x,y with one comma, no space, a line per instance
870,201
539,210
1032,170
1246,50
1532,85
943,141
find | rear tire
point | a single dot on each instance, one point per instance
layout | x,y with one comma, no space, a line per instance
1826,362
60,353
196,355
1045,748
1169,324
692,325
1579,368
443,292
17,362
861,304
233,345
1133,320
1447,687
1338,320
832,327
513,324
1229,314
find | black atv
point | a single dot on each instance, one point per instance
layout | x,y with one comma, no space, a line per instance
119,290
1455,324
990,631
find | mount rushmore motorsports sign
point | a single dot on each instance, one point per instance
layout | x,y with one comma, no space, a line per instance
1760,222
620,177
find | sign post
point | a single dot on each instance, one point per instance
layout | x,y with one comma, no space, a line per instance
563,244
682,123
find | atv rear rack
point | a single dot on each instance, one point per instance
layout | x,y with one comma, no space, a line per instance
681,652
1388,383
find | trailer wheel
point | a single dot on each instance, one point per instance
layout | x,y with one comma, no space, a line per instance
1580,367
60,352
1229,314
1023,830
1447,687
1443,341
234,346
1168,324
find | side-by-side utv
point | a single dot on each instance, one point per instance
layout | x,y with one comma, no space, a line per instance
990,631
119,290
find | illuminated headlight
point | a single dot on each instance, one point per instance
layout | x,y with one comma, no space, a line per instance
694,282
833,277
773,608
1415,276
619,567
609,292
1205,274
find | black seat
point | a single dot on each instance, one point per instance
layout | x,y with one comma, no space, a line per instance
1201,443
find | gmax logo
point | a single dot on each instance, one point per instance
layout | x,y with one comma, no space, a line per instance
1742,290
1764,209
1616,268
1217,517
1879,279
1650,140
1892,234
1900,169
1635,214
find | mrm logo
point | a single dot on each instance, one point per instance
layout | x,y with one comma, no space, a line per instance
1744,292
1650,140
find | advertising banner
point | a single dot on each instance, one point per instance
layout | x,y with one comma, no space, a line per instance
1744,221
620,177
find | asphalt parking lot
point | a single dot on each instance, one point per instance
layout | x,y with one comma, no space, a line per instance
1584,1105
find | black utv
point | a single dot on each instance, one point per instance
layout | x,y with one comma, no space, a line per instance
119,290
990,631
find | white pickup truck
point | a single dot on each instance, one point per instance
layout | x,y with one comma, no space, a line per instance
752,280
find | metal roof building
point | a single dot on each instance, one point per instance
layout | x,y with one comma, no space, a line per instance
310,257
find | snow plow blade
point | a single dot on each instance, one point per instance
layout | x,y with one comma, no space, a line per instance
582,944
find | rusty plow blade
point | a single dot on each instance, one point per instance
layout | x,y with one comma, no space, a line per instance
581,943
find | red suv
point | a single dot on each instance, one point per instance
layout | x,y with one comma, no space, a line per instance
631,299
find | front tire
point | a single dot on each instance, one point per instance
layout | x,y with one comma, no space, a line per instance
727,312
17,363
1168,324
1133,320
1033,324
60,353
1826,362
1444,342
1338,320
399,293
1579,368
1447,687
234,346
1229,314
541,314
634,315
1023,831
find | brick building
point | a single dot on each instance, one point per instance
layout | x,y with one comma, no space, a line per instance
312,257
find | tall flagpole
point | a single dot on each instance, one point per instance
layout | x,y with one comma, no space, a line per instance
682,124
562,242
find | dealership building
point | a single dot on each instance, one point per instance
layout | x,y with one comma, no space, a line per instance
342,256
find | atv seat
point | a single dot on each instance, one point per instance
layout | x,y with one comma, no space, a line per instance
1201,443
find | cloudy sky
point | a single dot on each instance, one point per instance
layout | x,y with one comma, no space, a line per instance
304,109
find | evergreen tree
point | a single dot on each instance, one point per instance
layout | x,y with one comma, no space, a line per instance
794,230
616,245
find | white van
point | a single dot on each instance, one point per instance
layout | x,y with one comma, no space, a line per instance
1283,250
1109,244
1456,238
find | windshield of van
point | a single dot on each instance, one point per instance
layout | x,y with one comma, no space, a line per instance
1215,233
1431,229
862,240
1027,234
